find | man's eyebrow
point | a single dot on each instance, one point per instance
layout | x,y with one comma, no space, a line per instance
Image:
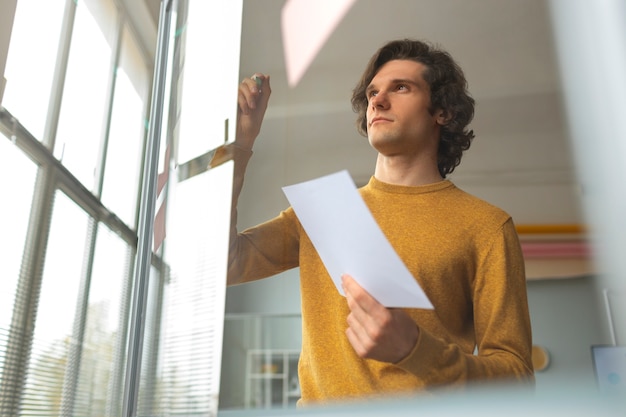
405,81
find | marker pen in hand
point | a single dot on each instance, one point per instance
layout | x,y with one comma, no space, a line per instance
259,82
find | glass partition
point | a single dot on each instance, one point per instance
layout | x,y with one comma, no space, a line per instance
182,346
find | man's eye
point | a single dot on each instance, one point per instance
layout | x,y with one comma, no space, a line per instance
401,87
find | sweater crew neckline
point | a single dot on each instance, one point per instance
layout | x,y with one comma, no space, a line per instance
376,184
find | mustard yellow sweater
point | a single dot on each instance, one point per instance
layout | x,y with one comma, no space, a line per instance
464,253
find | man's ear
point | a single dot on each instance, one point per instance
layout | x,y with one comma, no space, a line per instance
442,117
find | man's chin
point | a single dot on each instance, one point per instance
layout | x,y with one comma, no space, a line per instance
377,139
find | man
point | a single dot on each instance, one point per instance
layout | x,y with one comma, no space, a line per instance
413,106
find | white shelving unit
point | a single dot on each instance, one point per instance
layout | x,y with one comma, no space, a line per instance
272,378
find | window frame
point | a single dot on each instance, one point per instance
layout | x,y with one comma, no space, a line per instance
51,176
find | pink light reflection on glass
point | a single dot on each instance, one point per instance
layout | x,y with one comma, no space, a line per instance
306,26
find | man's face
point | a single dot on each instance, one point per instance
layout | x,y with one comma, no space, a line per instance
398,116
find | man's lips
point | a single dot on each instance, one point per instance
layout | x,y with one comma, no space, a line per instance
379,119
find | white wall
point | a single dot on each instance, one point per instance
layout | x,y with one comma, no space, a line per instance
567,318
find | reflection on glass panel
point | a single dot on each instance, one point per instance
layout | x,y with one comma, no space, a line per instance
121,176
17,179
193,299
83,108
31,61
208,90
96,390
57,305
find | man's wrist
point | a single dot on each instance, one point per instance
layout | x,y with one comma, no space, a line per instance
244,147
413,346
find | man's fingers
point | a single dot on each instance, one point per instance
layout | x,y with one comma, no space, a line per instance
252,91
362,325
242,101
355,341
360,296
375,331
250,94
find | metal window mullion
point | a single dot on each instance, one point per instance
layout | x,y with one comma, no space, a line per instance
108,116
146,218
60,71
116,384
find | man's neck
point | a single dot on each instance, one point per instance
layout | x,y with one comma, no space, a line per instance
409,172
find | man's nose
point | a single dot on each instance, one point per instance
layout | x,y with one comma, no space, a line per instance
380,100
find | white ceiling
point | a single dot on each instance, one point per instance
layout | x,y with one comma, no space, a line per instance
520,159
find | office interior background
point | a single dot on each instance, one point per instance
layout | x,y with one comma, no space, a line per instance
77,120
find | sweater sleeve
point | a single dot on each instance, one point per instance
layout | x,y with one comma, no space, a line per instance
501,325
263,250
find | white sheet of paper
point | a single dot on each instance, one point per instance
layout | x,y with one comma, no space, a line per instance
348,240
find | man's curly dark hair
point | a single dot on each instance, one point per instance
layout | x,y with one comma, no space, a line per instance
448,92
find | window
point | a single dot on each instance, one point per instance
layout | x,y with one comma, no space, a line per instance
87,85
31,62
74,125
14,223
76,104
